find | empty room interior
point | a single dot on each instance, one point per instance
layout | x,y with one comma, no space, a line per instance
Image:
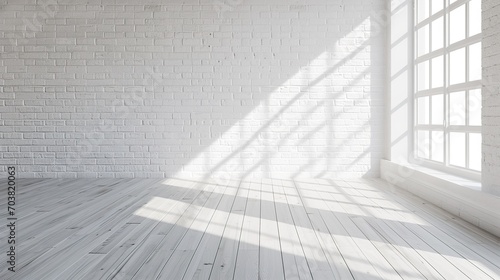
259,140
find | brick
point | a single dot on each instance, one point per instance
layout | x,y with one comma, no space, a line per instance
491,96
152,90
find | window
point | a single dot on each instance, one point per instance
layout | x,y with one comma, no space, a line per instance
448,83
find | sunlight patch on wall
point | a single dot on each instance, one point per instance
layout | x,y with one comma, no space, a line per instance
317,123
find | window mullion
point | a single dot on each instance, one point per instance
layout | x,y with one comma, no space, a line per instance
467,79
446,67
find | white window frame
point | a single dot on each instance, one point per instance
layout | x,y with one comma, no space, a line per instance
446,89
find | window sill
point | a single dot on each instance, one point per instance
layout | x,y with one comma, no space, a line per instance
449,177
459,196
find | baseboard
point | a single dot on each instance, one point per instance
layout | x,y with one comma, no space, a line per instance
460,197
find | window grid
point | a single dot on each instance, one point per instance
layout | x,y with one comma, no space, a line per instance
434,140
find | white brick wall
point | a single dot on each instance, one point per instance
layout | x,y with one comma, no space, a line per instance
192,88
491,96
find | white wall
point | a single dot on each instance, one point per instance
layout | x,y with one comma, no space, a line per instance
400,89
491,97
192,88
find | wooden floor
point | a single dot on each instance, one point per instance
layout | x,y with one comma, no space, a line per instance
267,229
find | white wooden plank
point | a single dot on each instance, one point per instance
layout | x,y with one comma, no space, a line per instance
403,267
225,260
271,262
100,214
76,246
318,229
417,258
315,256
247,261
203,260
153,265
113,264
426,269
359,261
470,263
77,241
294,261
178,263
78,270
465,233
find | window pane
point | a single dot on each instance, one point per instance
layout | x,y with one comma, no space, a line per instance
457,24
453,102
437,5
457,66
475,151
423,110
437,152
423,144
475,107
422,10
437,72
457,108
475,62
423,76
423,40
437,34
437,109
474,17
457,149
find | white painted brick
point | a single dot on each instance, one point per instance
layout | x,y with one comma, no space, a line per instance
491,96
145,88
